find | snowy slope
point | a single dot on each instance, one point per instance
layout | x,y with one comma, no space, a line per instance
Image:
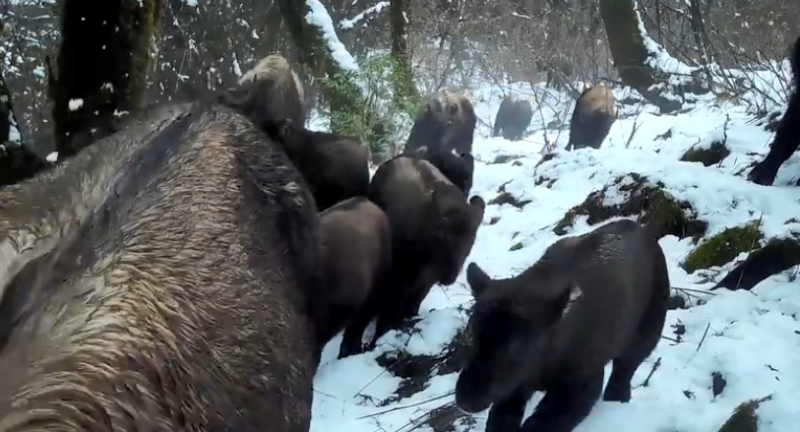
751,338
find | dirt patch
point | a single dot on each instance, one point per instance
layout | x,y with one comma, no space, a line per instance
417,370
647,200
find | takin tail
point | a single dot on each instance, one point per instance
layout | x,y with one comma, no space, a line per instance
794,61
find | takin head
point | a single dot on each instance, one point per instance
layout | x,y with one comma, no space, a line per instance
511,329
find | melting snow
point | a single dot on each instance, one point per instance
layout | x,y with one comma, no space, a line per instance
751,338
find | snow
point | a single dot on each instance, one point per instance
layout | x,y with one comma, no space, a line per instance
75,104
349,23
319,17
751,338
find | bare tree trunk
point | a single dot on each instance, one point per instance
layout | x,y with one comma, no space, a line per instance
102,68
397,12
17,161
345,98
630,54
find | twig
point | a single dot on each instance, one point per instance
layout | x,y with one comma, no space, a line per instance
653,370
694,290
670,339
703,338
407,406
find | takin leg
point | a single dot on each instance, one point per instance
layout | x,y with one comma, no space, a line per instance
354,332
618,388
787,139
506,415
565,406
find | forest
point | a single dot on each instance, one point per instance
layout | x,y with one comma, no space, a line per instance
179,249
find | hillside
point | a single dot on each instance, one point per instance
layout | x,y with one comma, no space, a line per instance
725,348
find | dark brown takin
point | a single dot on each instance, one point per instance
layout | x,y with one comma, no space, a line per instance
590,299
355,252
459,169
445,123
513,118
433,230
335,166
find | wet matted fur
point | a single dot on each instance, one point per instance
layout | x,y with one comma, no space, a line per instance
156,282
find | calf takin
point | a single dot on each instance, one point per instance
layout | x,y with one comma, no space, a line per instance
590,299
445,123
433,230
787,137
595,113
165,289
355,252
269,92
513,118
459,169
335,166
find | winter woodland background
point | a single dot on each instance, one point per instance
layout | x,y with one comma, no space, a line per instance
688,76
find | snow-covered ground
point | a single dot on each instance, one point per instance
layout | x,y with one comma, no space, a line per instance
751,339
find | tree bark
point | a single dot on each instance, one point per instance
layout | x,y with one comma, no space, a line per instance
315,55
102,68
630,54
407,90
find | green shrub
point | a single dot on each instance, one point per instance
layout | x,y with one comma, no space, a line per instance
365,103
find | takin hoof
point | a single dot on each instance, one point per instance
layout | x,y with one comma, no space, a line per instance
617,394
760,176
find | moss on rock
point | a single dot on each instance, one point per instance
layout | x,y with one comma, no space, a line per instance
654,205
707,156
723,247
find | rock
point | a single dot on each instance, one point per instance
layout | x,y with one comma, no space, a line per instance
723,247
712,155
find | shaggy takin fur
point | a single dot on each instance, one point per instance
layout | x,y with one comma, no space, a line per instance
158,282
433,230
445,123
270,92
787,137
513,118
590,299
595,113
458,169
335,166
356,252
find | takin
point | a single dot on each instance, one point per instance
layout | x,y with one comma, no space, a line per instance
459,169
335,166
787,137
513,118
433,230
590,299
445,123
166,288
595,113
355,252
269,92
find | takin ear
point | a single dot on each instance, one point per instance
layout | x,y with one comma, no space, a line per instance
566,300
479,205
477,279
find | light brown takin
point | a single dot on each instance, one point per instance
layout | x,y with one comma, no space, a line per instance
157,282
595,112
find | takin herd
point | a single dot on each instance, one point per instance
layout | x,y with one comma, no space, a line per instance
185,272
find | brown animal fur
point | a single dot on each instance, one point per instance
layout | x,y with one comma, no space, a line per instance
271,91
595,113
445,123
335,166
355,252
156,282
433,230
588,300
513,118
